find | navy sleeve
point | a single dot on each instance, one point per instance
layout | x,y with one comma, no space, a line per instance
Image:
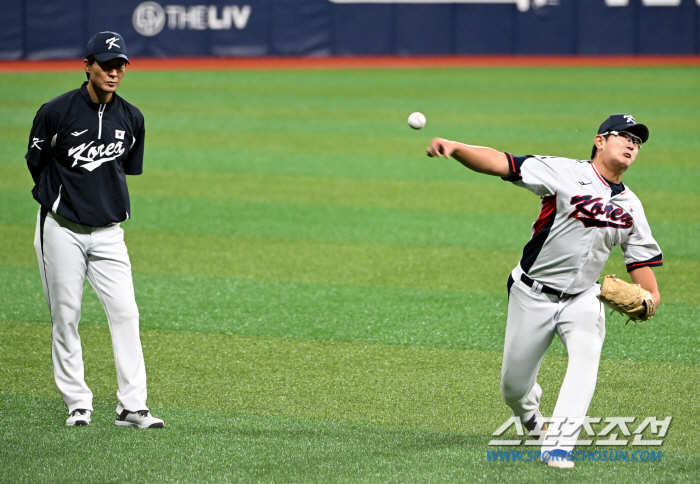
40,140
514,164
653,262
133,165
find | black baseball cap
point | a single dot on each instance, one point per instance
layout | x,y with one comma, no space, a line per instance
624,122
105,46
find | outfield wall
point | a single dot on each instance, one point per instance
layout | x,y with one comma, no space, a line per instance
59,29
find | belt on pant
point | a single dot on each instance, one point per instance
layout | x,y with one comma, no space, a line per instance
529,282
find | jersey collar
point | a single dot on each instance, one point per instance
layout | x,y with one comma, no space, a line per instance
86,97
616,188
600,177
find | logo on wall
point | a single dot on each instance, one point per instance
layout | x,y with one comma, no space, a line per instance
150,18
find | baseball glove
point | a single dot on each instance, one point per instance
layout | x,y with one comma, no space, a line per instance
629,299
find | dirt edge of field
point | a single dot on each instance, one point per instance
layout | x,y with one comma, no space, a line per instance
300,63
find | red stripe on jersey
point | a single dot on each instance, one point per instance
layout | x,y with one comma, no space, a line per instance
512,163
549,205
514,169
644,264
598,174
653,262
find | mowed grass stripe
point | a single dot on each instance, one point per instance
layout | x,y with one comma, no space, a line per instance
477,196
415,317
308,222
446,268
480,196
320,223
420,388
297,261
228,447
379,385
343,224
233,447
345,192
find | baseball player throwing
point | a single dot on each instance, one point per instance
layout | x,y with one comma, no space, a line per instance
81,146
585,211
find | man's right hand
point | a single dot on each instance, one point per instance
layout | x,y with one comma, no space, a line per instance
440,147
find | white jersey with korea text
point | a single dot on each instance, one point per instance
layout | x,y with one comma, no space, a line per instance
579,223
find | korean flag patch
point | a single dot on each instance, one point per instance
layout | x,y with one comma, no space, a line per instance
119,134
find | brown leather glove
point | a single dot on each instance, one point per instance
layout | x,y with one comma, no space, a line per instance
629,299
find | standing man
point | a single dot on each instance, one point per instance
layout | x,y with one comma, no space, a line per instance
81,146
585,211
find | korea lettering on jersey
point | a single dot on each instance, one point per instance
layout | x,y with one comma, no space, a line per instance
580,221
79,153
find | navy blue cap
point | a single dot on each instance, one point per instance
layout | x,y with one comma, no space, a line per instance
624,122
105,46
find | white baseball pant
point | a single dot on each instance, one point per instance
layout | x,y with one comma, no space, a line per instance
533,320
67,252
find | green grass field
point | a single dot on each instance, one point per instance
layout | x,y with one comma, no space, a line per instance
321,302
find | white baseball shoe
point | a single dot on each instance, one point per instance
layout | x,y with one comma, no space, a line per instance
141,419
78,418
561,459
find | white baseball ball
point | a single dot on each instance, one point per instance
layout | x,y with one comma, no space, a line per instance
416,120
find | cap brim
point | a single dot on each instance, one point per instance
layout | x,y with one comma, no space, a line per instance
636,129
639,130
108,56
